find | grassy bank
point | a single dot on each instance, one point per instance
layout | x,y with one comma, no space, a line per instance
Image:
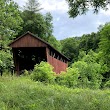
21,93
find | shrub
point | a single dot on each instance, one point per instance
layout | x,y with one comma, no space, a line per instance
107,84
90,74
26,73
69,78
6,62
43,72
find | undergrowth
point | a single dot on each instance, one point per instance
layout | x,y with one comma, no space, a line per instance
21,93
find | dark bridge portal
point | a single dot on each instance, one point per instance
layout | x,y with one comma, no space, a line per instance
29,56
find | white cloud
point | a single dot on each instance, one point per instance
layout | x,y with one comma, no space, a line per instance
98,23
64,26
54,5
106,12
57,19
21,2
49,5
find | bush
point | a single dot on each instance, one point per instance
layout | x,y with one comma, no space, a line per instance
6,62
69,78
90,75
43,72
107,84
25,72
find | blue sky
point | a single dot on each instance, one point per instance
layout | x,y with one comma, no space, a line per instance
64,26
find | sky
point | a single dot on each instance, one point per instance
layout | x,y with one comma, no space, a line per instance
64,26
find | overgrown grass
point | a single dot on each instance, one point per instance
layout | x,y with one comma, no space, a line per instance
21,93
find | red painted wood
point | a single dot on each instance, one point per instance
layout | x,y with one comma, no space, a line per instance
28,41
57,64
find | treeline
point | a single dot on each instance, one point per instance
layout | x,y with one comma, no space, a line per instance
89,54
72,46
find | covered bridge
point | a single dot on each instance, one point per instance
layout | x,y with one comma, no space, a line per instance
29,50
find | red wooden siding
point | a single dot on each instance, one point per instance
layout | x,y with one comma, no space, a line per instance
28,41
57,64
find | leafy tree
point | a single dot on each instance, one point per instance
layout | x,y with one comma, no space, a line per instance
10,25
70,48
81,55
79,7
6,62
49,25
90,69
32,6
89,41
35,22
55,43
48,32
104,46
10,21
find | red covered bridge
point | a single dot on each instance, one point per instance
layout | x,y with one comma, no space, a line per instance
29,50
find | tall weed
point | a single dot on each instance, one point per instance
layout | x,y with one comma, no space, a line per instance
21,93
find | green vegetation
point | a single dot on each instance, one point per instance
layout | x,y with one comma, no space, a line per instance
21,93
79,7
92,51
6,62
43,72
10,15
41,89
86,73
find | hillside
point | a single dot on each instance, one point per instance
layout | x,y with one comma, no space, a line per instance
21,93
